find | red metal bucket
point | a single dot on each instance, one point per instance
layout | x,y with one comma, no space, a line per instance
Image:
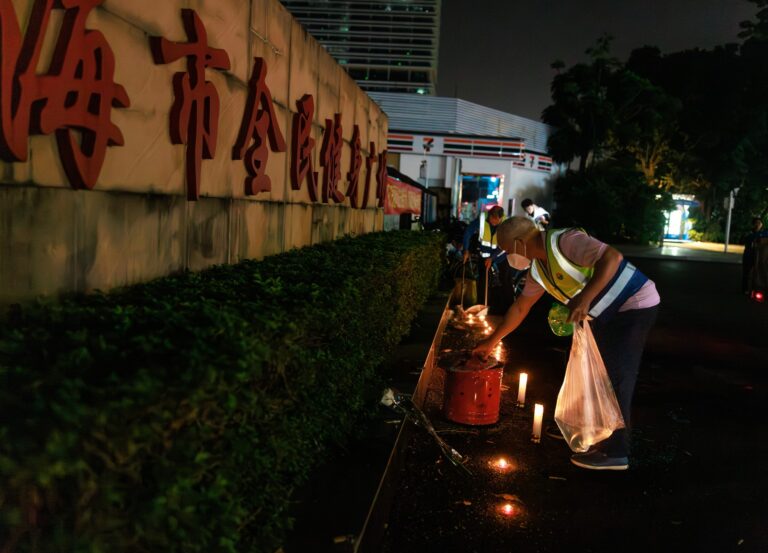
472,395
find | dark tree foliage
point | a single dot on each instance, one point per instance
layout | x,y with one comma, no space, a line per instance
721,128
693,122
580,112
612,202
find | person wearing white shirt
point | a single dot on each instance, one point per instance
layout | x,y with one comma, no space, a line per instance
538,215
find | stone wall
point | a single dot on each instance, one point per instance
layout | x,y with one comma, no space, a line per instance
136,223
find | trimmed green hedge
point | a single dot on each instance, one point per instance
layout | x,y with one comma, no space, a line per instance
178,415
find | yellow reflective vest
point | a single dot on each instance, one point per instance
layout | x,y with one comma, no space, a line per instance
487,239
564,279
560,277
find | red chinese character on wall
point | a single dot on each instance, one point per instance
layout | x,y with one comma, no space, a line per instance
259,123
330,158
302,145
195,110
355,163
75,96
369,161
381,178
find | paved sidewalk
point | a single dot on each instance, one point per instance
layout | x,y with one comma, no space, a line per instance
685,250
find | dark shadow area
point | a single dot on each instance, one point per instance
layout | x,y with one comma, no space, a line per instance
331,508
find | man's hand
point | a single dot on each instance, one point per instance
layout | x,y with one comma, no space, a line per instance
483,349
488,262
466,256
512,319
579,308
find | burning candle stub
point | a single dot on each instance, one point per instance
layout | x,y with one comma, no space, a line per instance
501,465
538,415
521,389
507,509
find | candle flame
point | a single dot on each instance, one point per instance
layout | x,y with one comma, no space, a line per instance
501,465
508,509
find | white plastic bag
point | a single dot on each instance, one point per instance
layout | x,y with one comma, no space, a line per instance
587,411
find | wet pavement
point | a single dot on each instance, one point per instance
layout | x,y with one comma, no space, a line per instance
698,473
686,250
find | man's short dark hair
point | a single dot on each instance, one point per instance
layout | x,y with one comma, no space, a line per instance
496,211
527,203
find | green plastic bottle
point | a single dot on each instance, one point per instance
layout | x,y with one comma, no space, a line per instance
558,314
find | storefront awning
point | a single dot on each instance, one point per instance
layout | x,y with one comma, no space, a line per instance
401,198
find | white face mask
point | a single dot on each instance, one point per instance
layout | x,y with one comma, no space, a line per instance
517,261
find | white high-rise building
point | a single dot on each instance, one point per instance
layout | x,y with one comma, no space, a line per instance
385,45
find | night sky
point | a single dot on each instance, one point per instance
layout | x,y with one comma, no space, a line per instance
497,52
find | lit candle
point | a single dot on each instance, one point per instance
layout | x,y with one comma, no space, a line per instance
538,415
521,389
507,509
501,465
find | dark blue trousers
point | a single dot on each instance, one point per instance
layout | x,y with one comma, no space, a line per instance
621,341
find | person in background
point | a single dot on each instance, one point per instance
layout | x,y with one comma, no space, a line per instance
453,251
538,215
750,254
592,279
500,277
485,229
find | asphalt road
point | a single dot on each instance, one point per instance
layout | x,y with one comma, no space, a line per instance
704,315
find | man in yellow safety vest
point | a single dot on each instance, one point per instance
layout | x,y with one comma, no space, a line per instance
501,279
485,229
592,279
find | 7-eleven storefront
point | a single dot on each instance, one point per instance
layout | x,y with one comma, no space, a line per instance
479,171
472,156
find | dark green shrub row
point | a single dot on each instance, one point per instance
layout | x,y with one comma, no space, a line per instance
178,415
613,202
